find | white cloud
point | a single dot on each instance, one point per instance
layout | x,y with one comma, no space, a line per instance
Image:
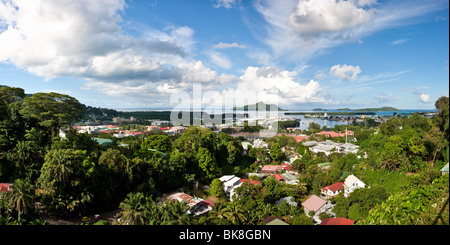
302,29
425,98
220,60
399,41
225,3
197,73
222,45
313,17
275,85
347,72
383,98
85,39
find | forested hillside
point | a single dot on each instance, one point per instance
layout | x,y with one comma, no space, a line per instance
399,159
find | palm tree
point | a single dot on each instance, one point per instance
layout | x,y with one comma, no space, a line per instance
62,168
216,214
133,209
234,214
22,197
175,213
152,212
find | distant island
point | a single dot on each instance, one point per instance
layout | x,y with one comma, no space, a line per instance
319,109
344,109
258,106
386,108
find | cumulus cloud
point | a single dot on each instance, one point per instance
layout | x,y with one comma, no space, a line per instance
313,17
275,85
425,98
303,29
81,39
85,39
222,45
347,72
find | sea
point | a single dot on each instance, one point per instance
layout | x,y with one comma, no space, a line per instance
304,121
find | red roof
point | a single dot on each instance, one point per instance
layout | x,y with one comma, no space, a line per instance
278,177
249,180
165,128
300,138
185,197
334,134
330,133
207,203
5,187
271,168
337,221
314,203
286,167
334,187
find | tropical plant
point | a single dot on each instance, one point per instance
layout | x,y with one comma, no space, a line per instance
21,199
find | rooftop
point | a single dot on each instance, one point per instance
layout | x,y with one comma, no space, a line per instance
334,187
314,203
337,221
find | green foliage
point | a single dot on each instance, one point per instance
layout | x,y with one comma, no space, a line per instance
313,126
75,174
207,164
275,152
216,188
65,181
391,181
423,205
52,110
159,142
301,219
357,205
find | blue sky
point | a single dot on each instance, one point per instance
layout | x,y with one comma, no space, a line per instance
301,54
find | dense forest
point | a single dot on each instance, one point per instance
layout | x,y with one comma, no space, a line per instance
400,160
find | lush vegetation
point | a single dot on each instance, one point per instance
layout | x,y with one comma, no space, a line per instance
399,159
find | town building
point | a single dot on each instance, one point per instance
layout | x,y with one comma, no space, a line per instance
329,147
259,143
196,206
337,221
230,182
5,188
352,183
332,190
444,170
274,221
271,169
317,205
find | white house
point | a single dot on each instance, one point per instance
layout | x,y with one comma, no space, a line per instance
119,135
332,190
259,143
230,182
352,183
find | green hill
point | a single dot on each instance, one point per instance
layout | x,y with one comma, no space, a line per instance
386,108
